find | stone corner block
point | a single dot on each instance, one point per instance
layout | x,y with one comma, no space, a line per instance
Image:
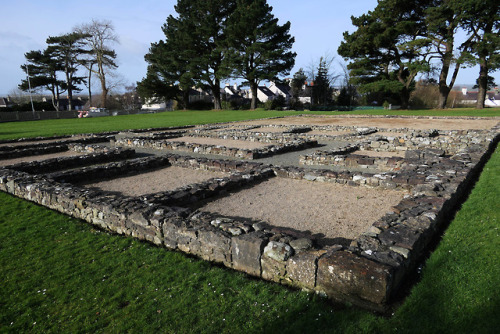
349,277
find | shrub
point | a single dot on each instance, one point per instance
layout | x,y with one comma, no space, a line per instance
201,105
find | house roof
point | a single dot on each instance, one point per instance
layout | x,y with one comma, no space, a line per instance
306,92
3,102
266,91
472,96
231,89
284,88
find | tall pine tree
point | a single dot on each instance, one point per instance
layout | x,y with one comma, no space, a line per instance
259,48
193,53
297,85
169,62
68,49
322,91
389,48
42,69
481,20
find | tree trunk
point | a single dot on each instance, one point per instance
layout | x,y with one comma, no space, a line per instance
482,83
104,97
405,98
70,91
90,85
104,94
58,99
104,89
53,91
185,99
253,88
56,108
216,94
444,90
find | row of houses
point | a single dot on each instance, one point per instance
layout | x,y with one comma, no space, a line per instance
264,94
77,103
470,97
235,92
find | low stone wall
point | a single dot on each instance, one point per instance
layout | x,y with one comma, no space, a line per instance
17,151
366,273
25,152
383,164
428,142
95,155
449,141
286,146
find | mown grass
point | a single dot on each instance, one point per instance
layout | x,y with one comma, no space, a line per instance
15,130
60,275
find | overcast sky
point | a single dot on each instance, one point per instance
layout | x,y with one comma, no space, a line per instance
317,26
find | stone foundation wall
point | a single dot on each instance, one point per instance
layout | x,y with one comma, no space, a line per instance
342,157
449,141
292,145
11,151
367,273
383,164
95,155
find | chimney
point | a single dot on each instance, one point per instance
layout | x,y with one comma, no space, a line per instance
464,91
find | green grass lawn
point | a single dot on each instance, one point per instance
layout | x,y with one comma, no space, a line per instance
60,275
14,130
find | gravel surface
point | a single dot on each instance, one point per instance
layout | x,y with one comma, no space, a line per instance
325,209
165,179
380,122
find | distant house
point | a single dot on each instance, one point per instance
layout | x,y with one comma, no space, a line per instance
305,95
264,94
77,104
152,104
198,94
492,97
5,102
195,95
231,91
281,89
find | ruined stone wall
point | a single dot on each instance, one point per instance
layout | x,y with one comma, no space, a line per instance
367,273
250,154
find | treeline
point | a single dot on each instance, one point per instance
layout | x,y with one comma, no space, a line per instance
56,68
208,42
401,39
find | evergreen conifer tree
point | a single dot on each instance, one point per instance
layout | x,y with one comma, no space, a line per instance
42,69
67,49
259,48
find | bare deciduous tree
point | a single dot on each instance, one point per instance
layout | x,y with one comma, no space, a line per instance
328,62
101,58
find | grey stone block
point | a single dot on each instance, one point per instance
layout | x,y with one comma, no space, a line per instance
247,250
